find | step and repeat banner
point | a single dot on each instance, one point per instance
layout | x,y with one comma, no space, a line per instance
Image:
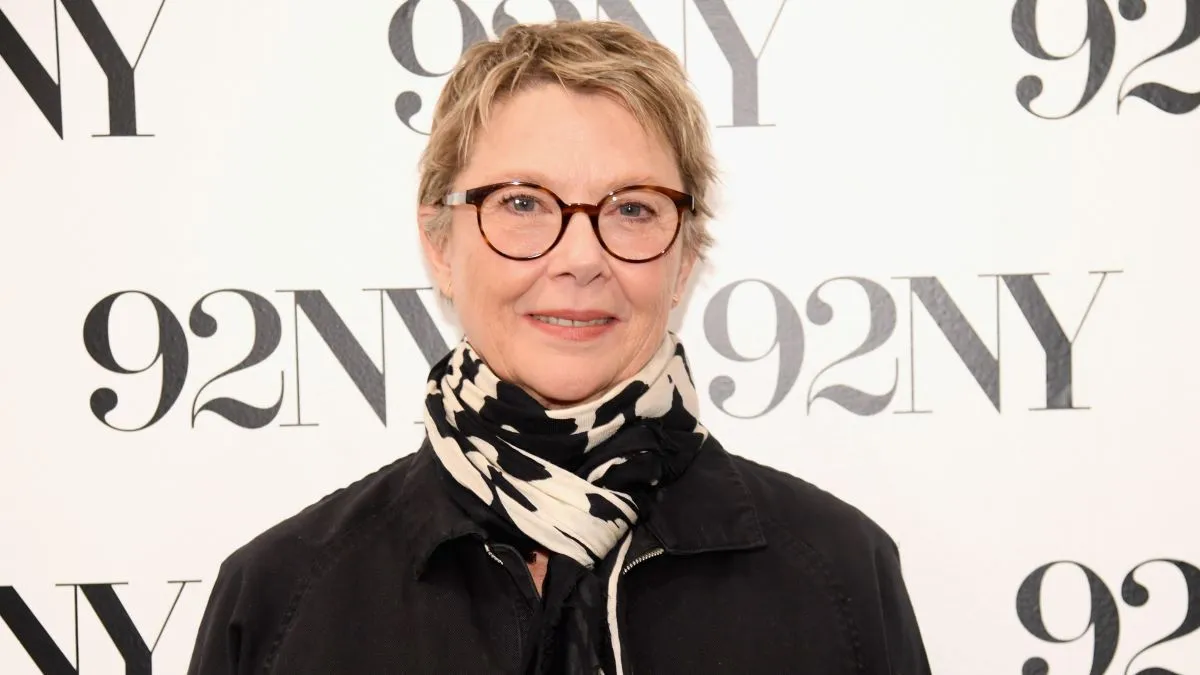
954,285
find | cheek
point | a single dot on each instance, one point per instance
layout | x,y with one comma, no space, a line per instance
471,261
649,291
493,284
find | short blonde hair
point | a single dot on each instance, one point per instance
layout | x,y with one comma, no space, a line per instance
588,56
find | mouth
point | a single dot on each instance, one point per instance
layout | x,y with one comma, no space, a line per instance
571,323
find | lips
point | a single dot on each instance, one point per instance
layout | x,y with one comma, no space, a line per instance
570,323
573,324
573,317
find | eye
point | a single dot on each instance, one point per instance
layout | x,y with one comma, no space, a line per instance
635,210
521,203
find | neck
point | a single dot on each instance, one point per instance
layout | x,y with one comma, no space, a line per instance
661,355
562,404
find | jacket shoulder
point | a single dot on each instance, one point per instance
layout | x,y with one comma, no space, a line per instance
818,518
326,524
850,555
259,582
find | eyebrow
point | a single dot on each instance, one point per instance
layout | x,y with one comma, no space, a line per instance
545,181
523,176
639,179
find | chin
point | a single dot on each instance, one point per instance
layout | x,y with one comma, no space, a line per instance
563,389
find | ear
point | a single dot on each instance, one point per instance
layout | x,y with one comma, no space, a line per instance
436,252
685,272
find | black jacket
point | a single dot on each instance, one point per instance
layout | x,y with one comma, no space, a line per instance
738,569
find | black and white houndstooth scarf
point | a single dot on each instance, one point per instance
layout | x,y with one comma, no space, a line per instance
572,481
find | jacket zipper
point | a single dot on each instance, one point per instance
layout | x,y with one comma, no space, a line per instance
488,547
528,576
652,553
530,589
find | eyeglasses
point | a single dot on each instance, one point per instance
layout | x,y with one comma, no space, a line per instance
524,221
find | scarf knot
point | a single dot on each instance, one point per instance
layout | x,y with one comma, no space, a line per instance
573,481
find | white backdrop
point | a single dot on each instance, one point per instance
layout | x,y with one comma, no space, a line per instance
993,424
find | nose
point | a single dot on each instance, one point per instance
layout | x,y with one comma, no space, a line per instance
579,253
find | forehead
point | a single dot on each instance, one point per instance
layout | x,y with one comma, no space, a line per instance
568,140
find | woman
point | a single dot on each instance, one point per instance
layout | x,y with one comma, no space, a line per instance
568,513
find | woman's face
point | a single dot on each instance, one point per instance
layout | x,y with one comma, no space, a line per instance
580,146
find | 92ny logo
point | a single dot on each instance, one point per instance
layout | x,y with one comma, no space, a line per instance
717,19
1100,41
112,614
169,364
1104,616
46,90
44,85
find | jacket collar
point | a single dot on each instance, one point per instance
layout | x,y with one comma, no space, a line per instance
429,514
708,508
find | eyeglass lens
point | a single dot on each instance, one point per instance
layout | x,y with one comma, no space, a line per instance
523,221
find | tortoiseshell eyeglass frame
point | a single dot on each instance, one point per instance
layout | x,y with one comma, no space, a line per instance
476,196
